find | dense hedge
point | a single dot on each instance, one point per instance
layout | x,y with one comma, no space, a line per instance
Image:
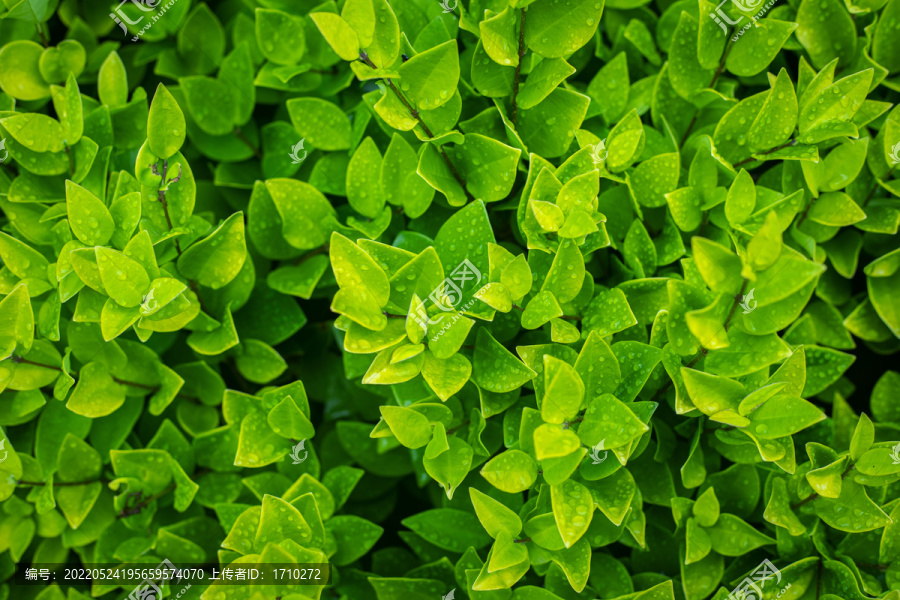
497,300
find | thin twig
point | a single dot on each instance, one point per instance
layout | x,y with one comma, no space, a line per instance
240,135
816,495
521,53
875,186
737,300
161,196
127,512
775,149
135,384
41,32
414,112
61,484
569,317
712,83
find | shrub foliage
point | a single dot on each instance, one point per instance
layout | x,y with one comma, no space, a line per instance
506,299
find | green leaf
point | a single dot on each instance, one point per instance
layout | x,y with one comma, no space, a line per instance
720,268
96,394
88,216
654,178
354,536
554,31
258,362
563,391
411,428
339,34
496,369
22,259
429,79
219,119
542,80
448,528
20,75
112,85
732,536
449,467
573,507
365,166
322,124
487,166
217,259
614,495
765,246
852,512
609,87
779,512
758,47
511,471
835,209
281,36
446,376
124,279
746,354
826,31
77,462
609,423
166,127
498,36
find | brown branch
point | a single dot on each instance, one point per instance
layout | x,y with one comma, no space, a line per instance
195,287
59,484
41,33
816,495
320,250
136,384
127,512
458,427
805,213
570,317
71,160
712,84
875,187
152,388
240,135
161,196
775,149
521,53
737,300
414,112
20,360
